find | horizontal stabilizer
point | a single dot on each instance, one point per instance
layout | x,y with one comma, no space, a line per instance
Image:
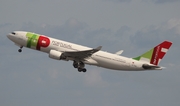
152,67
119,52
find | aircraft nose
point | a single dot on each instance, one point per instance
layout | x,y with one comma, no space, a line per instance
10,35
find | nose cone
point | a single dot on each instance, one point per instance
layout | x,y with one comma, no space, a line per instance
18,37
9,36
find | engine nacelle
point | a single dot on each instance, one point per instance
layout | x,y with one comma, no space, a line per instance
56,55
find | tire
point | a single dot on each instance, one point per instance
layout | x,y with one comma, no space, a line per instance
79,69
20,50
84,70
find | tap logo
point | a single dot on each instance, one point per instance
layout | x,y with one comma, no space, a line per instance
42,42
36,41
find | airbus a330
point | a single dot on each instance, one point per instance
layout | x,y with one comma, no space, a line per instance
81,55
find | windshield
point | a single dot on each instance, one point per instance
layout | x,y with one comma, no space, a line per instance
13,33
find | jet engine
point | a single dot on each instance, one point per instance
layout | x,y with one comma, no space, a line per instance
56,55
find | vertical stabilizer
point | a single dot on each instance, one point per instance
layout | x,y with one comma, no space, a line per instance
156,54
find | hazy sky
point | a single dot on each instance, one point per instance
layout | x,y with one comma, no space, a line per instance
31,78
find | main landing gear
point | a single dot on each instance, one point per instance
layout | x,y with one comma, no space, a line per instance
20,50
80,66
82,70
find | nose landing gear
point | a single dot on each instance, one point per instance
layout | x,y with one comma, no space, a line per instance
20,50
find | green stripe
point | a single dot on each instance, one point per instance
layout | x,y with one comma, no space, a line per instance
32,39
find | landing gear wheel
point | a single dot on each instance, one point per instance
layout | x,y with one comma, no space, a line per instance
79,69
20,50
82,70
79,65
75,64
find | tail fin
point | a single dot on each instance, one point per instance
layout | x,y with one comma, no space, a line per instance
156,54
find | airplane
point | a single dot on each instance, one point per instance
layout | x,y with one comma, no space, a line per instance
81,55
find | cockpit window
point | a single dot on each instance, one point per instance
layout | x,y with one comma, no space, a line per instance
13,33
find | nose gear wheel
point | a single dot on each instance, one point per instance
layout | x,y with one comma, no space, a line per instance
20,50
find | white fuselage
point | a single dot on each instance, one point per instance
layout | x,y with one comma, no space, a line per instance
100,58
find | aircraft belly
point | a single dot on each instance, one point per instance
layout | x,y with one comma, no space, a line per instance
110,64
118,65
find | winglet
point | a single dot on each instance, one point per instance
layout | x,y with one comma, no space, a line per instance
98,48
95,50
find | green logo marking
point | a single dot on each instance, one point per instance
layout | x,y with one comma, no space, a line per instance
32,40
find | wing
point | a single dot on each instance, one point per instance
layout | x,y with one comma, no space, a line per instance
80,55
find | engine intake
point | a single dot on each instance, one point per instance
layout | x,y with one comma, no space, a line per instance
56,55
